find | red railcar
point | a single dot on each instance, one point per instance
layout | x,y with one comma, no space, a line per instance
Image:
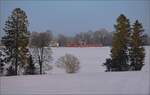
82,45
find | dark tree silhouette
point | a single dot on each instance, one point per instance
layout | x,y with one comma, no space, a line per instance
16,39
119,49
137,51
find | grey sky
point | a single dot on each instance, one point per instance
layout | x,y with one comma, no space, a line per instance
70,17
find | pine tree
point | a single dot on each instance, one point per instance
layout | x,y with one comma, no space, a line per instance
119,49
16,39
137,51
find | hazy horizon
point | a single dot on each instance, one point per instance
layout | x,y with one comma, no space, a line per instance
71,17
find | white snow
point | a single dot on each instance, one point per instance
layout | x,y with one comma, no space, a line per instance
91,59
90,80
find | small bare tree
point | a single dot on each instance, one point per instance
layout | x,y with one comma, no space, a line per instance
39,43
69,62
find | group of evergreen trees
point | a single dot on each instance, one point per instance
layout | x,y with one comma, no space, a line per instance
127,52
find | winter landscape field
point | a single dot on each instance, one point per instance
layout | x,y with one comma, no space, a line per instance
89,80
74,47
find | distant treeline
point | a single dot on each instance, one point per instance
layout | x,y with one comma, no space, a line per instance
99,37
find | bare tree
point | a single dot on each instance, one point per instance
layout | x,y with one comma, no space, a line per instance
39,43
146,39
69,62
50,34
101,36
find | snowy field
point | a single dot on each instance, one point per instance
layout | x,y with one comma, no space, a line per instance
90,80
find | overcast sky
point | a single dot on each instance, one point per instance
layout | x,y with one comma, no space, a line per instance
70,17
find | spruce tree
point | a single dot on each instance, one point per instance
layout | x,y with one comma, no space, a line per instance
119,51
137,51
16,39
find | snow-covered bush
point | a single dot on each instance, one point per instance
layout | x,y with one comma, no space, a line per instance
69,62
108,65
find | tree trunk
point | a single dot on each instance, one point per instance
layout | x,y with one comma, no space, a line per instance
16,65
40,68
40,63
16,50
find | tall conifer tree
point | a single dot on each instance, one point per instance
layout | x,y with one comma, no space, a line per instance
137,51
16,39
119,49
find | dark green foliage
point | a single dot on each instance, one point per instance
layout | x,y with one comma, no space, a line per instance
1,63
30,69
11,71
137,51
119,49
1,68
108,64
125,42
16,39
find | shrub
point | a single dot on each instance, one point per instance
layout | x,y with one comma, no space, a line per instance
108,64
10,71
69,62
111,67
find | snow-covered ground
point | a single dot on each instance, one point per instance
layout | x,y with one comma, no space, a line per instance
91,59
90,80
